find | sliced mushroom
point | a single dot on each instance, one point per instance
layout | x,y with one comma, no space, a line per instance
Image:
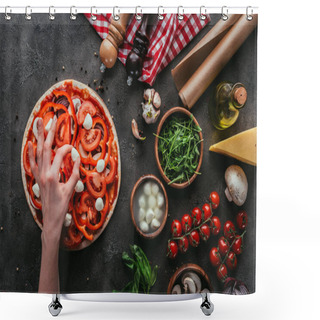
176,289
195,279
237,185
135,131
189,285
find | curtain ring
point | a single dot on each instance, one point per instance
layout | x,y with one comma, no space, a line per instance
6,14
224,15
73,13
115,16
203,13
28,12
180,15
138,15
160,15
249,16
52,11
93,17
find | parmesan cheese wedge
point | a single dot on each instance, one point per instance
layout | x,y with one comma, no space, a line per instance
242,146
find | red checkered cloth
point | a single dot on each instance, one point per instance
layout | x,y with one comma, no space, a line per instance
168,37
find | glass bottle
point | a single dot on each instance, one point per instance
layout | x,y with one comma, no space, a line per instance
228,99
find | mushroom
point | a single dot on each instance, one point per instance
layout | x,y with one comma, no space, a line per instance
237,185
189,285
196,280
135,131
176,289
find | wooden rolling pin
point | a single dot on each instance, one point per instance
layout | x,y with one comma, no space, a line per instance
110,45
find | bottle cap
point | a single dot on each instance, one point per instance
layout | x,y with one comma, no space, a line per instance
240,95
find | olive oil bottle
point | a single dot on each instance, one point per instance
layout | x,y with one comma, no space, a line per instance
228,99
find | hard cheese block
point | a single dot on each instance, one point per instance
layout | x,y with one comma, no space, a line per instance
242,146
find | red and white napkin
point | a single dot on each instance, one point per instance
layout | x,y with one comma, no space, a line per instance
168,37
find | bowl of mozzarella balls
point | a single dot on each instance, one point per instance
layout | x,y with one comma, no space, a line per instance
149,206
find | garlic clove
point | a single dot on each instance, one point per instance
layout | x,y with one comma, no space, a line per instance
135,131
156,100
99,204
74,154
100,165
87,124
148,95
36,190
79,186
67,220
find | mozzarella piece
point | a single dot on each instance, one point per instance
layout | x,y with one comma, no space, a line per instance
99,204
35,128
142,201
48,126
160,200
74,154
154,189
76,104
149,215
100,165
152,201
67,220
36,190
147,188
87,124
158,213
142,214
79,186
144,226
155,224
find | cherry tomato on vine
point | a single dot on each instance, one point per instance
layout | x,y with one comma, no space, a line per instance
176,228
222,272
205,232
194,238
223,245
196,216
206,211
229,230
186,222
237,245
172,249
215,224
242,220
215,257
183,244
215,199
231,261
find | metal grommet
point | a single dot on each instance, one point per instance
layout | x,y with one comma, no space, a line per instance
115,16
138,15
6,14
28,13
203,13
52,11
93,17
73,13
160,15
249,16
180,15
224,13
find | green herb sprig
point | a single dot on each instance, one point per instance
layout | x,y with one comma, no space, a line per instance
179,149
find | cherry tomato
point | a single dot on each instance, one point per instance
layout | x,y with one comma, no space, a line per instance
194,238
63,131
242,220
231,261
96,184
215,224
229,230
206,211
222,272
214,256
223,245
176,228
186,222
90,139
172,249
85,108
237,245
215,199
205,232
183,244
196,216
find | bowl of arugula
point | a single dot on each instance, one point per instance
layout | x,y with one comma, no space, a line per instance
179,147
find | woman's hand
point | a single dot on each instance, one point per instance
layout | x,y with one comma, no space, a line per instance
55,197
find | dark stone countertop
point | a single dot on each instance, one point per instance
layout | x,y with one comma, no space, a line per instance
32,54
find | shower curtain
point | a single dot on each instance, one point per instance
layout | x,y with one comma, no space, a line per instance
164,199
